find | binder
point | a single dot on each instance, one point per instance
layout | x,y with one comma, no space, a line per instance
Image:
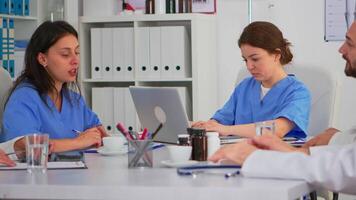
4,42
1,43
4,6
176,55
118,54
166,54
130,111
155,53
12,7
95,39
26,7
102,105
11,47
129,59
106,50
119,107
143,52
19,7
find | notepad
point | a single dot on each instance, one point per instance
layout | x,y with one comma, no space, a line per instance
50,165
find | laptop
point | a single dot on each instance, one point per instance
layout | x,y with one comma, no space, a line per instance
155,105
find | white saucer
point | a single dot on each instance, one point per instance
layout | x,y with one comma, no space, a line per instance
105,152
169,163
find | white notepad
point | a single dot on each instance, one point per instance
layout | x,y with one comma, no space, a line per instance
50,165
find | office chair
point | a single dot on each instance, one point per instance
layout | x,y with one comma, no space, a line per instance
323,88
5,85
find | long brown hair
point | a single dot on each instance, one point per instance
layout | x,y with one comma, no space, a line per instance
45,36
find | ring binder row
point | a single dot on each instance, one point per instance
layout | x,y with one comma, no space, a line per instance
15,7
161,52
9,59
115,104
7,46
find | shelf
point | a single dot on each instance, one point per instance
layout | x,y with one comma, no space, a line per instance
167,80
145,17
30,18
106,81
138,80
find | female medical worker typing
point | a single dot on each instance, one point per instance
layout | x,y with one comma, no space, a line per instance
269,94
46,97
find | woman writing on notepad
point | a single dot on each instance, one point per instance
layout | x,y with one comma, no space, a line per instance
46,97
269,94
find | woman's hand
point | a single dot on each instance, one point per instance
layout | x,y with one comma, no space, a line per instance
4,159
90,137
236,153
212,125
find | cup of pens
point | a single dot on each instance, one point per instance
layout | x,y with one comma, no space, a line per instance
140,153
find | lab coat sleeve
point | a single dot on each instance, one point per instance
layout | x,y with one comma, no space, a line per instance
329,167
344,137
8,146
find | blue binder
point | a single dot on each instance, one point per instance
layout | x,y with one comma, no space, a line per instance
4,43
26,5
11,47
4,6
12,7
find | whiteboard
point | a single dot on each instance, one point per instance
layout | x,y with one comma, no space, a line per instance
339,14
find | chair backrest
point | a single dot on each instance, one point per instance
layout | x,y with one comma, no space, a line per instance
5,85
323,88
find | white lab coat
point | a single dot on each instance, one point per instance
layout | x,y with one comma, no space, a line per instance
332,167
8,146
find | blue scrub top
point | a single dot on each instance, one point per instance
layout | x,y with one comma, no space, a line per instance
288,98
25,113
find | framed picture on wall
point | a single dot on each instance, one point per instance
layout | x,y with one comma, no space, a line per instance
203,6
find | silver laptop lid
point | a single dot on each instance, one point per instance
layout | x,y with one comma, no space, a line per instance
155,105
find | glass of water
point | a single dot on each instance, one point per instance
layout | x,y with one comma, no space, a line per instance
265,127
37,152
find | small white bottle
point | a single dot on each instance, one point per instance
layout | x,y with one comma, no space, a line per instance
213,142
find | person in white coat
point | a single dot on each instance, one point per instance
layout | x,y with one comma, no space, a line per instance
332,166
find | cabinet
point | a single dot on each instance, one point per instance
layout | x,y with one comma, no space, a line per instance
169,50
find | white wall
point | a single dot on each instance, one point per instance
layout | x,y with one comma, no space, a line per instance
302,22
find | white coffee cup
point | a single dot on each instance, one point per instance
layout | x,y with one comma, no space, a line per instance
179,153
113,143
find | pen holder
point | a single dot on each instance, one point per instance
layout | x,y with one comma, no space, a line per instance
140,153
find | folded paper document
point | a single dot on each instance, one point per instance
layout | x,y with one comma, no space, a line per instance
50,165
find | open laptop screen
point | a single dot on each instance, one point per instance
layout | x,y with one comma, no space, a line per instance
155,105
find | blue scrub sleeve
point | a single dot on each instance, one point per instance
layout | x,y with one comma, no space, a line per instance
20,118
226,115
297,109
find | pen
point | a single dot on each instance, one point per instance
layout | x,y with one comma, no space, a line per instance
144,134
76,131
157,130
123,130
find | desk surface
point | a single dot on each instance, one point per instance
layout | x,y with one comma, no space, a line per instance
109,178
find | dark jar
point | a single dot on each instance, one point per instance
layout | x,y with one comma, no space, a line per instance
199,143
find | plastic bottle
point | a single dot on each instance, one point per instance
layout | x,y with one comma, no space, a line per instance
213,142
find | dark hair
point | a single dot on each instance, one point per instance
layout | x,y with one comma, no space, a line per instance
44,37
267,36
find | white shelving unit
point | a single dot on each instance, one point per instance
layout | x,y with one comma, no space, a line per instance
202,80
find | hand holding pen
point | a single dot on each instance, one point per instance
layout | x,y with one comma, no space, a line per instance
88,138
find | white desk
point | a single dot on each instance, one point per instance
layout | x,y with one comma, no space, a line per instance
109,178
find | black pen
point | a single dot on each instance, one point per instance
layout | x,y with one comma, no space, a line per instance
157,130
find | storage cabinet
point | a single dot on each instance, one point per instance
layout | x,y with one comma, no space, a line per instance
171,50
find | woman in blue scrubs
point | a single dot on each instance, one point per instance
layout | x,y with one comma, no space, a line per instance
46,97
269,94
